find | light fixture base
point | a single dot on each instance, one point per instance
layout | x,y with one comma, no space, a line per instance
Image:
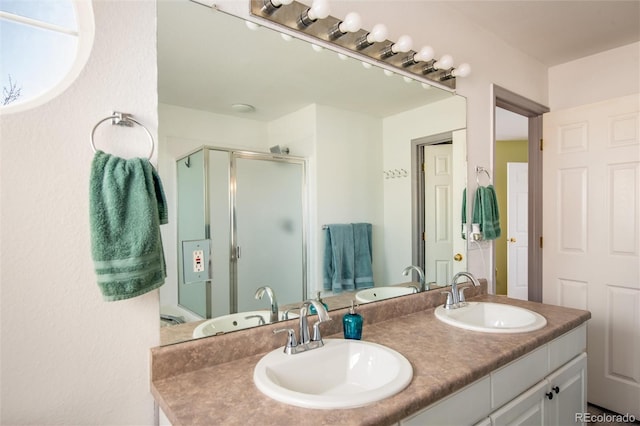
292,17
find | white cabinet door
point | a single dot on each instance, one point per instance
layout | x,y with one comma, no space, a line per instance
465,407
526,409
566,396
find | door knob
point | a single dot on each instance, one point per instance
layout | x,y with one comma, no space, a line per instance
457,257
512,240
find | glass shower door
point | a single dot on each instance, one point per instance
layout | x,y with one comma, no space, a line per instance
269,227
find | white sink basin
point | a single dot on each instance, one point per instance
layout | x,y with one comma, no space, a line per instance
380,293
492,318
234,322
342,374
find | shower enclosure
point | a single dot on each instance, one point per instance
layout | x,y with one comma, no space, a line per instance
251,207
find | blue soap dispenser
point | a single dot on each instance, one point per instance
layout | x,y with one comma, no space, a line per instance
352,323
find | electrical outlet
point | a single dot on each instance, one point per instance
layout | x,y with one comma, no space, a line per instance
198,261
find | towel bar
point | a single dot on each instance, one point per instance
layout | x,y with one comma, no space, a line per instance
122,119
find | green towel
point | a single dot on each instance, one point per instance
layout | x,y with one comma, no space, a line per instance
126,208
485,212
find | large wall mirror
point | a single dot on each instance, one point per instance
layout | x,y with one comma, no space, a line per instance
347,133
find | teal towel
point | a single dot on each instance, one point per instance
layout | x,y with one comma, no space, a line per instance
485,212
347,257
363,253
126,208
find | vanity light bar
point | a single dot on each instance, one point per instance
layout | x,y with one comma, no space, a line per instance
380,50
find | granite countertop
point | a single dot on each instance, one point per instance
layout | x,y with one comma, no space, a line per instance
444,359
170,334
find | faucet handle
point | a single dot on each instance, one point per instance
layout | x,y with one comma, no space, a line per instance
461,296
449,303
291,339
316,332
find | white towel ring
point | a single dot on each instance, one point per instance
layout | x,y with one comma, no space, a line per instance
122,119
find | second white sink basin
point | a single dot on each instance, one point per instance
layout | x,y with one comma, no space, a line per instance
492,318
235,322
381,293
342,374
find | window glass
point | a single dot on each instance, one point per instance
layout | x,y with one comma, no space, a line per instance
37,52
57,12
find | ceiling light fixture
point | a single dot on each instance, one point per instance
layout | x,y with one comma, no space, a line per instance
319,10
404,44
244,108
351,24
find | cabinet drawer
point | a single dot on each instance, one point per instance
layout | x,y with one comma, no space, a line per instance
567,347
518,376
465,407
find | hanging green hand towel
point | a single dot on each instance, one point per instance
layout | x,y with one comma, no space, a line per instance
485,212
126,208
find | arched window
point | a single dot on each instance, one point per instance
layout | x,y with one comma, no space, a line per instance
45,44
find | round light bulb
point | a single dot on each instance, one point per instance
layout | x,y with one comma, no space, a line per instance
404,44
378,34
424,55
351,24
445,62
462,70
319,10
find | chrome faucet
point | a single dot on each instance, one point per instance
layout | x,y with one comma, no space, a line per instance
455,298
306,343
273,317
423,285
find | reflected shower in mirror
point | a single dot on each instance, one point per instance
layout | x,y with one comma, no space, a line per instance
228,90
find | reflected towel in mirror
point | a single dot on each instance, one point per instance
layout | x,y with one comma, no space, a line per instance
348,257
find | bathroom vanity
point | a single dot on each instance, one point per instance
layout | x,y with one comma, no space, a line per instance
459,376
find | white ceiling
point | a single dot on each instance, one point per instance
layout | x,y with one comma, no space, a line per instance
555,32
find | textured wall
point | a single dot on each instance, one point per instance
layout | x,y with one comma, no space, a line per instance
67,356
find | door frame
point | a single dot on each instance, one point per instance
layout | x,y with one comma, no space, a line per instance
518,104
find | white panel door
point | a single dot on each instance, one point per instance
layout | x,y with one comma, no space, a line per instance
517,230
438,207
591,220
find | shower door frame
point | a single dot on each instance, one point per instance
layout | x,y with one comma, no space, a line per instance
233,154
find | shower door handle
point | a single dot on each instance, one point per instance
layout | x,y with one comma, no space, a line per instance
237,252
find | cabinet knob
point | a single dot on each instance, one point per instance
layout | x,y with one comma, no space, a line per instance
556,389
549,395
